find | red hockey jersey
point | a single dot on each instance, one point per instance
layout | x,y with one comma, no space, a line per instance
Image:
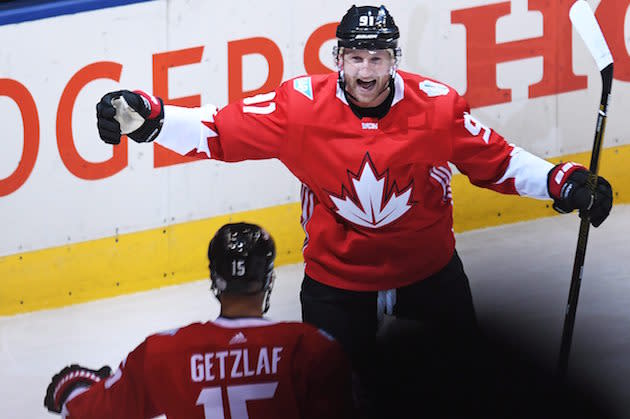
376,197
230,368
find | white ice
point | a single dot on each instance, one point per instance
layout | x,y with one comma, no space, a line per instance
519,275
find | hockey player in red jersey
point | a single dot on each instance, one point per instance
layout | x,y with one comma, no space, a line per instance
242,365
374,148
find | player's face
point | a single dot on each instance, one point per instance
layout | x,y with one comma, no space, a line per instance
366,74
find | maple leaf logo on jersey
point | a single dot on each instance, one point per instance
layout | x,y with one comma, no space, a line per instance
370,203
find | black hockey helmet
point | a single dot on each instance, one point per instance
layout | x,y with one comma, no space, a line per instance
241,259
367,27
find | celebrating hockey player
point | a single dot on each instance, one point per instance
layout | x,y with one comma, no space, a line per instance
242,361
373,147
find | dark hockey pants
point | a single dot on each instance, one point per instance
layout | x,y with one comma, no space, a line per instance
435,327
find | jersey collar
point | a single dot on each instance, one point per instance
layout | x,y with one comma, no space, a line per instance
242,322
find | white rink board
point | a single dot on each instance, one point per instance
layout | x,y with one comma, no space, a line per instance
54,207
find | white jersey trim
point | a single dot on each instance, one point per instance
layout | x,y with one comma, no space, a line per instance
340,94
529,173
443,175
243,322
74,393
183,130
399,89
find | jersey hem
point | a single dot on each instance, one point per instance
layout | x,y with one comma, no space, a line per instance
319,274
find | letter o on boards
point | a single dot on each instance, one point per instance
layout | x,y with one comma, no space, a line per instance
312,63
30,120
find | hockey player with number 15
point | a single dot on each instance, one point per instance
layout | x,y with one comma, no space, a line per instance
373,148
241,365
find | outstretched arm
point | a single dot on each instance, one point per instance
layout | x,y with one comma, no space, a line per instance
490,162
254,128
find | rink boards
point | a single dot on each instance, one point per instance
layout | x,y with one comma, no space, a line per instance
82,220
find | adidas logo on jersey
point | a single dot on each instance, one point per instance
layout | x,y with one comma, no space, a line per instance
238,338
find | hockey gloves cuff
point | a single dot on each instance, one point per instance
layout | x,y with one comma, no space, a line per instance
69,379
567,185
137,114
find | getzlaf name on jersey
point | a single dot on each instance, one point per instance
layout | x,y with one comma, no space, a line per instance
375,191
255,366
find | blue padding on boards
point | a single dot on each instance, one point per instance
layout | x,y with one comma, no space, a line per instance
17,11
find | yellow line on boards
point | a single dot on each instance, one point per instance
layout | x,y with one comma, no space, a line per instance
139,261
175,254
475,208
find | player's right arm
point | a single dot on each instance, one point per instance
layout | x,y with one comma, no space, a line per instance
250,129
79,393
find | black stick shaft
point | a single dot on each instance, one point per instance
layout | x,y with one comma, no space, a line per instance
580,252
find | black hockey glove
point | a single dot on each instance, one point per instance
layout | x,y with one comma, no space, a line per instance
69,379
567,185
137,114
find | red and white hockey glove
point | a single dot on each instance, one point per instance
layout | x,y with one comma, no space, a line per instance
137,114
69,379
567,185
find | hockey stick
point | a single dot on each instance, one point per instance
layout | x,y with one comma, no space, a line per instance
586,25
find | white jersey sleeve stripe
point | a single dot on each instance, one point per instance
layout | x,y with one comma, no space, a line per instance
445,171
307,211
441,181
529,173
183,130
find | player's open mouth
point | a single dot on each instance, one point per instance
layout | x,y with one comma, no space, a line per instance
366,85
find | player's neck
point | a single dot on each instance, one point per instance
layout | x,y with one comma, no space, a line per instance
235,314
241,306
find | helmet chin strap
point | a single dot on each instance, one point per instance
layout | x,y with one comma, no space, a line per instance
268,289
387,86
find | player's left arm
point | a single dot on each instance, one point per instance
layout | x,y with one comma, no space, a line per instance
77,392
490,162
